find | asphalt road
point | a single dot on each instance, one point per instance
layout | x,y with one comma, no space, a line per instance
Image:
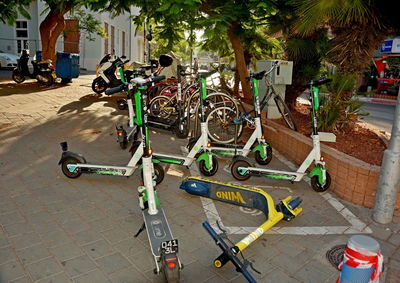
5,75
380,115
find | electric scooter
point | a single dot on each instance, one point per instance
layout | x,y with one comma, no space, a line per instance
164,246
256,142
208,164
126,134
73,164
320,178
253,198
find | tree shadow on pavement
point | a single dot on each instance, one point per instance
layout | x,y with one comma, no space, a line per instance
86,101
26,88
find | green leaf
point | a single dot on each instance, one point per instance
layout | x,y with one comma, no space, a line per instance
164,7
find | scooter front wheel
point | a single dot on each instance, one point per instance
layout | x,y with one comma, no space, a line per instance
316,186
158,172
65,170
235,170
212,170
17,77
99,85
181,129
266,159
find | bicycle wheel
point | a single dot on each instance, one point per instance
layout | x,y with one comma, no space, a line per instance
285,112
220,125
161,106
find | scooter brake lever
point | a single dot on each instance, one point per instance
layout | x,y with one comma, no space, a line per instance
220,228
250,263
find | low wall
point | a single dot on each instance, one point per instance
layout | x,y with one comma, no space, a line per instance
352,179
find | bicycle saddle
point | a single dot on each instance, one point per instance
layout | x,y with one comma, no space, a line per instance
257,75
318,82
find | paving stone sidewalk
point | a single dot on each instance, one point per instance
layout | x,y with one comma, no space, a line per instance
55,229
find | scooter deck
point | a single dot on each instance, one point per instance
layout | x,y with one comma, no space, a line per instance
158,230
237,195
222,145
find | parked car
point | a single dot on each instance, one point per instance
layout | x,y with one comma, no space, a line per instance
8,60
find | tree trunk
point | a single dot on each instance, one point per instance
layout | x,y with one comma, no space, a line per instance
240,60
236,85
50,30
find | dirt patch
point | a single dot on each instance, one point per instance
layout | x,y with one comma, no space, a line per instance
361,143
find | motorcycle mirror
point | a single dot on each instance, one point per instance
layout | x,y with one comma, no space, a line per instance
123,57
165,60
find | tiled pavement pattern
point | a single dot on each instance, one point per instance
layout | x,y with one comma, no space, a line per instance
53,229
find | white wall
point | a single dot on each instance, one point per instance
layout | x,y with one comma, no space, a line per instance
91,52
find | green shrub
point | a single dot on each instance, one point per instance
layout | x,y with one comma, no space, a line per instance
339,110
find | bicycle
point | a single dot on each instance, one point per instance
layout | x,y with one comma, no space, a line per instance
222,123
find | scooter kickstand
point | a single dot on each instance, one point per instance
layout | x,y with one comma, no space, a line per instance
140,230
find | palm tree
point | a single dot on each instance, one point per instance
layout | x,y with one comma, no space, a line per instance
305,50
358,28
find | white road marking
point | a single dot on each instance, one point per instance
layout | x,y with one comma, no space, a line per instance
356,225
252,211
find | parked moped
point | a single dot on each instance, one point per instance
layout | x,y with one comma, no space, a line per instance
43,71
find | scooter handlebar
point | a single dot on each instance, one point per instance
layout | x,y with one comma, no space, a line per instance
116,89
240,267
155,79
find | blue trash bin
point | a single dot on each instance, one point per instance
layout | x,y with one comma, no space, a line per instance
38,55
67,66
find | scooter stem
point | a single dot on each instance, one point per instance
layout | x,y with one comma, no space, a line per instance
148,183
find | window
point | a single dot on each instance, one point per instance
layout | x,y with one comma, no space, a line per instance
106,39
123,43
21,33
22,24
112,40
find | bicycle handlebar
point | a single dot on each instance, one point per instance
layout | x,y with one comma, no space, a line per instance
228,253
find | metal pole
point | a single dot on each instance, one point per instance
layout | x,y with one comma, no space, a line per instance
389,180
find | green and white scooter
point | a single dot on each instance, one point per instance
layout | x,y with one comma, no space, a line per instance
74,164
198,151
164,246
256,143
320,178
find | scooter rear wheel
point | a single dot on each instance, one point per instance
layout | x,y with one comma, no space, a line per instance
124,143
65,170
172,274
46,78
235,170
316,186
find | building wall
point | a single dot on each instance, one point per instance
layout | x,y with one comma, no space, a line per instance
91,52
